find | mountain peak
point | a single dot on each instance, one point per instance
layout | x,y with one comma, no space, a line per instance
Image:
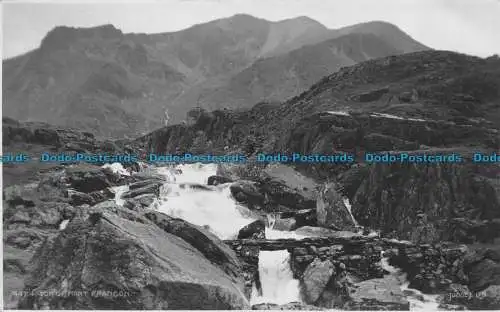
304,21
61,37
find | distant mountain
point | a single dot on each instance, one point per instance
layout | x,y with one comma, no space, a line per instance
277,78
114,84
404,102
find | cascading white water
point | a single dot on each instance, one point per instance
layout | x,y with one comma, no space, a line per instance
278,284
119,190
63,224
418,300
214,208
223,215
347,203
117,168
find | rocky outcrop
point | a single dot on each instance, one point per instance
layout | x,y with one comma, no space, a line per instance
426,202
377,294
254,230
431,268
331,210
151,188
216,180
288,306
460,296
482,267
117,259
315,278
249,255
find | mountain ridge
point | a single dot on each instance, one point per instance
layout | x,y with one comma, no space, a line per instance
99,75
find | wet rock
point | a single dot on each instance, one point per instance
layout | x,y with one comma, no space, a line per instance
196,186
86,178
288,224
149,176
145,200
331,210
254,230
205,242
247,192
141,263
279,193
306,217
148,189
145,183
315,279
324,232
216,180
288,306
78,198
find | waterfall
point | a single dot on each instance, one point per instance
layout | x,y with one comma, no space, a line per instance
63,224
347,203
214,209
117,168
119,190
278,284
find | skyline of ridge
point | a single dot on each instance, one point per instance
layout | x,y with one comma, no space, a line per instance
20,37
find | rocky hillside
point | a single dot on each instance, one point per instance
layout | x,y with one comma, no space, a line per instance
113,84
425,102
281,77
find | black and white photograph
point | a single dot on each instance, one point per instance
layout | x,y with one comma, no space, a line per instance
314,155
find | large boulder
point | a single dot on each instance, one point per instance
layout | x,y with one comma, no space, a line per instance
86,178
315,278
203,240
116,259
153,188
254,230
331,209
216,180
248,192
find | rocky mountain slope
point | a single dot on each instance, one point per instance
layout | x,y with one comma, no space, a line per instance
114,84
424,102
77,237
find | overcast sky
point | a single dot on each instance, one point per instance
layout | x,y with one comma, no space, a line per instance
468,26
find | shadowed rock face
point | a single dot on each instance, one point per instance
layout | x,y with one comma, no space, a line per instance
397,197
331,210
119,251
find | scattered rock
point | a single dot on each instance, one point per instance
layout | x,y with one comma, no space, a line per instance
216,180
254,230
148,189
287,224
85,178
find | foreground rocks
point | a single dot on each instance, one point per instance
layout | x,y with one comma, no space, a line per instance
377,294
119,251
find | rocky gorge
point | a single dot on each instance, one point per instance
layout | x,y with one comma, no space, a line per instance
352,236
122,243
